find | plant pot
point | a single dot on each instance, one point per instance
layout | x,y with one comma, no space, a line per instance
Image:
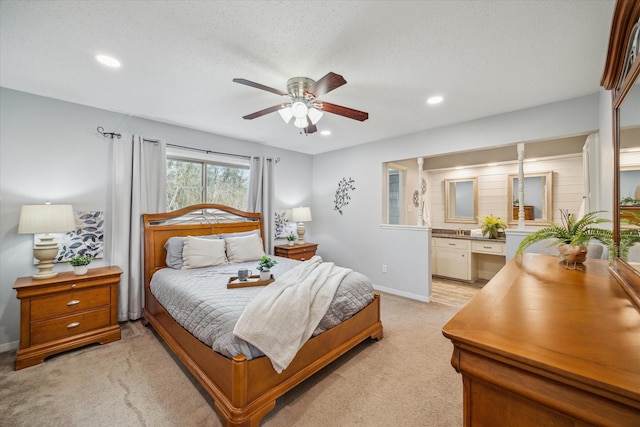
290,243
573,254
265,275
80,270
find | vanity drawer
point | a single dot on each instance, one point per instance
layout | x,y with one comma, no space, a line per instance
493,248
68,326
69,302
451,243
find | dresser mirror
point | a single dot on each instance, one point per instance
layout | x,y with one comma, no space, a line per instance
461,200
620,76
537,200
629,177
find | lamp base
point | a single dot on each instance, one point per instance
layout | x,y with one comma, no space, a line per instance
300,231
45,251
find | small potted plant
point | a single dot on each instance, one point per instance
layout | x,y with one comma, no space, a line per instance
492,225
291,239
80,264
572,236
264,266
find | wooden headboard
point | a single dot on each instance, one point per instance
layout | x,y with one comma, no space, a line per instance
197,220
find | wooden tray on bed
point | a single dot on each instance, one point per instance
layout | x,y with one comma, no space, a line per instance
253,281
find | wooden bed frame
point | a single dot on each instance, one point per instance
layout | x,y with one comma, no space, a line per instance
243,390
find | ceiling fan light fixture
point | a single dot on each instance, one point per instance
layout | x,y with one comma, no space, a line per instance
299,110
301,123
286,114
315,115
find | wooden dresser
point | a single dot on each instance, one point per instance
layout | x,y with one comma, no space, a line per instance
66,312
543,345
300,252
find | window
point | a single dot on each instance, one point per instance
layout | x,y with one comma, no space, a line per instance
200,178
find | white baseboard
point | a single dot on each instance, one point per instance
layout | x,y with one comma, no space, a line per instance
9,346
402,293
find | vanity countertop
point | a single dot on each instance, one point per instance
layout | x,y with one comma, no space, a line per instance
452,234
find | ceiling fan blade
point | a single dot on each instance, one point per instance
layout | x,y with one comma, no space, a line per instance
326,84
263,112
259,86
310,129
345,111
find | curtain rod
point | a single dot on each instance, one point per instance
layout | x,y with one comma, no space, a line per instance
112,135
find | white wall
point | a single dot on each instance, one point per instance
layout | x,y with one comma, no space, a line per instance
50,150
357,239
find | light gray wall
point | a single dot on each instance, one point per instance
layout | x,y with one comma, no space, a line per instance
357,238
50,150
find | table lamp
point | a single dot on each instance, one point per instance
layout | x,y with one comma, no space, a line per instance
301,215
47,218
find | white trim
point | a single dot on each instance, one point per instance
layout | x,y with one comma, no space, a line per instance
9,346
186,154
401,293
405,227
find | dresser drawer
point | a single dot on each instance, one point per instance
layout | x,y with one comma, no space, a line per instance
493,248
301,256
67,326
69,302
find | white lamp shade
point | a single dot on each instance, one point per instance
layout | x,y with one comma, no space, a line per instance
35,219
300,123
301,214
299,110
286,114
315,115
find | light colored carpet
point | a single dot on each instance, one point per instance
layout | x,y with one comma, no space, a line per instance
404,380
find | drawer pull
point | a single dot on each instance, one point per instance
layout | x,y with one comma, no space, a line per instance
451,244
73,286
73,325
73,302
486,247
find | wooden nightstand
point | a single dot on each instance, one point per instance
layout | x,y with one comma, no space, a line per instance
66,312
301,252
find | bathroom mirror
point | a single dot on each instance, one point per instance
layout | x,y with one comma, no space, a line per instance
538,198
461,200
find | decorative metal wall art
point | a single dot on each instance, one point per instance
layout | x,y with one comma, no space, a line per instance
342,194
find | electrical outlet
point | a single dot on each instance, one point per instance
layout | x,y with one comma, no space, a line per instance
384,268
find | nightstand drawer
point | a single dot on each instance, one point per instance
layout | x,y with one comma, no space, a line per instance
301,252
69,302
68,326
301,256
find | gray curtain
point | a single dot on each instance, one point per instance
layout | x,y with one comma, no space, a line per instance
261,196
138,186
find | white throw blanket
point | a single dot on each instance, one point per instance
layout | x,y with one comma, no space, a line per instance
281,318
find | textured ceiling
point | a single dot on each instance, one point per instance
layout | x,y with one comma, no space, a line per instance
179,59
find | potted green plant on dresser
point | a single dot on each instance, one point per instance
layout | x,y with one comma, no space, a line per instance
80,264
572,236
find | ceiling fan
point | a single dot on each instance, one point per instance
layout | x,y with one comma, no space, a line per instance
303,104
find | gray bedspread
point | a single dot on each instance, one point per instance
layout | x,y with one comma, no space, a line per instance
200,302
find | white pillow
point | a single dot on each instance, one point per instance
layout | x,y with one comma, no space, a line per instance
241,249
198,252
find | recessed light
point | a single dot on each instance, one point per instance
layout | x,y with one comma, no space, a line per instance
492,164
109,61
325,132
435,100
459,167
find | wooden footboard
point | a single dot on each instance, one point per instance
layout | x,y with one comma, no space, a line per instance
244,390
